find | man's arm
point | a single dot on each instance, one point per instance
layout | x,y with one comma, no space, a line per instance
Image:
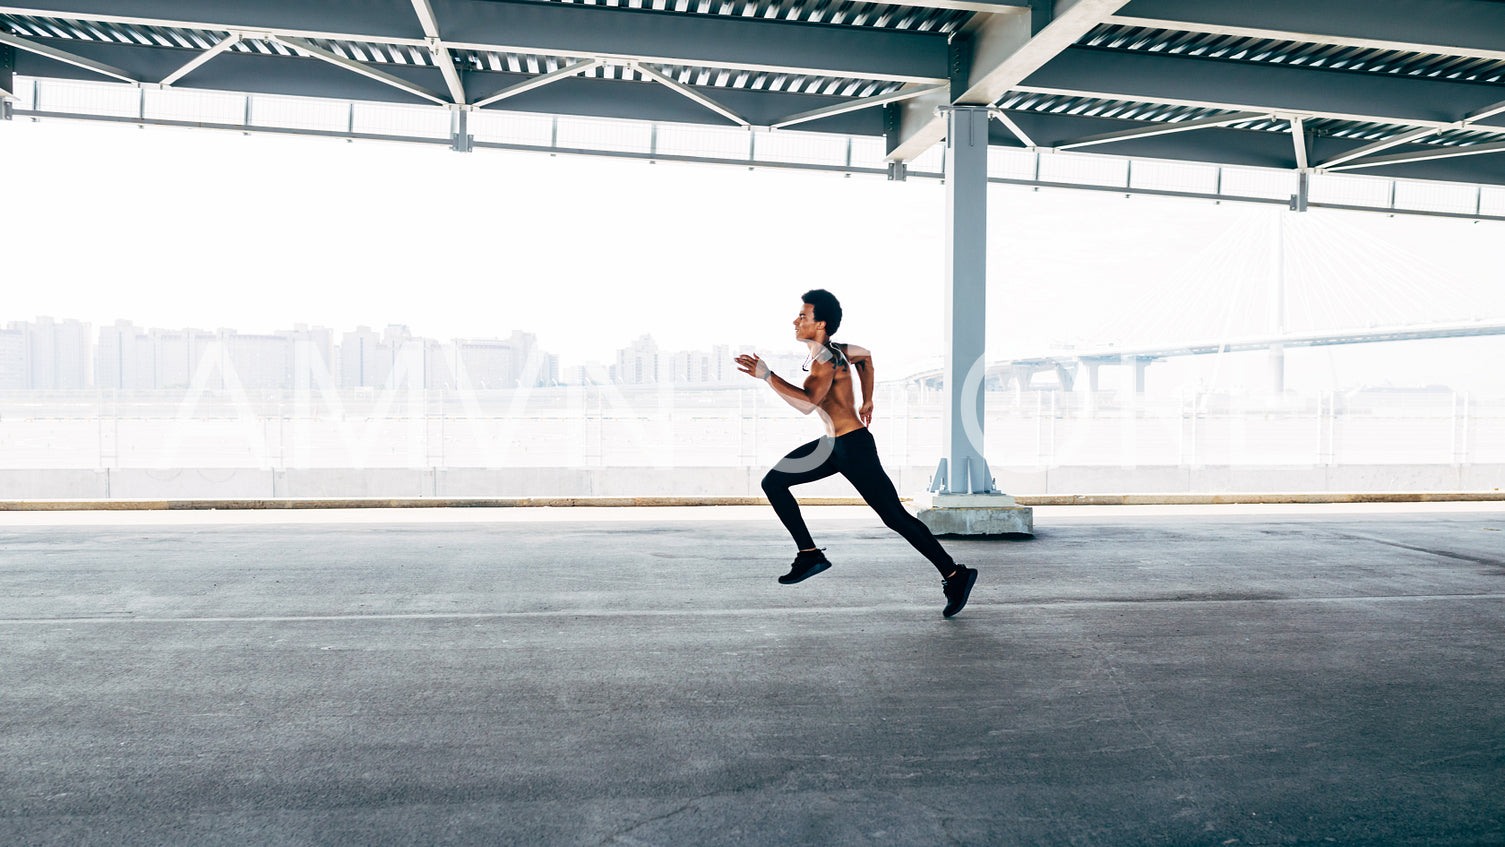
806,398
862,361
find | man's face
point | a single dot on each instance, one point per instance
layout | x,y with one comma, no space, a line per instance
805,324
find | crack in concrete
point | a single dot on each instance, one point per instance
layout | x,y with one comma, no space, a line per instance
626,834
1431,551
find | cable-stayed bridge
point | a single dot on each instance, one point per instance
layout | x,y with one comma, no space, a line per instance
1070,366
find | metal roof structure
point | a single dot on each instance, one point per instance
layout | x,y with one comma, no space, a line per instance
1411,89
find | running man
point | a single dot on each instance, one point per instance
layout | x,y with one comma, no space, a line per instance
847,448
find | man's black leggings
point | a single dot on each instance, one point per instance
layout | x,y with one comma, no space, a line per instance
854,456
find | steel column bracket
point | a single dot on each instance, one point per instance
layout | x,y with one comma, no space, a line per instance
980,478
1303,184
938,480
959,64
898,172
974,478
461,141
893,120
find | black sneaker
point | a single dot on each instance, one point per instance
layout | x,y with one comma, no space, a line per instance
807,563
957,589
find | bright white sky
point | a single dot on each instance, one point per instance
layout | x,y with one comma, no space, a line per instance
175,228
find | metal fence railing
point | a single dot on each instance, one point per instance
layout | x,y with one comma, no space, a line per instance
677,426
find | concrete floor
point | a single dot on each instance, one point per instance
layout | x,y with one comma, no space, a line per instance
1223,675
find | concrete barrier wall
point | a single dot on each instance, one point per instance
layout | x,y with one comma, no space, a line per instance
66,484
317,483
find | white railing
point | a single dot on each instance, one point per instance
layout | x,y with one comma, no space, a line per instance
667,426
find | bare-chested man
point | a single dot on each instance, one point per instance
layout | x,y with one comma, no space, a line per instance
847,448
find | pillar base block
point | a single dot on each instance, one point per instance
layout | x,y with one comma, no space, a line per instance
974,514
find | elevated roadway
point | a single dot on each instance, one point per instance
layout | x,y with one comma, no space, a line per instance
1069,363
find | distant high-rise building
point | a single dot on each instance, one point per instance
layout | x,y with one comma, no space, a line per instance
14,368
179,355
591,373
117,354
314,363
365,359
723,366
529,364
259,361
691,367
549,370
438,365
485,363
56,354
638,363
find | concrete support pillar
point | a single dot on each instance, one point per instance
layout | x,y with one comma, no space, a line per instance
1278,368
964,500
1065,376
1090,383
1133,374
1021,374
965,469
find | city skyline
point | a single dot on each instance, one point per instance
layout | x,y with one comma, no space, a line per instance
48,353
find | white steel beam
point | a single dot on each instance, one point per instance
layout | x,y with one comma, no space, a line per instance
1303,37
1168,128
358,67
864,103
1298,141
225,44
446,63
1486,112
1262,108
1005,50
538,82
66,57
686,91
1424,156
1382,144
425,11
1009,124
